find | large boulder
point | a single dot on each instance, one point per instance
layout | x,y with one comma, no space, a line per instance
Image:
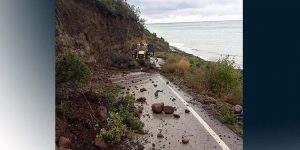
168,109
157,107
238,109
64,143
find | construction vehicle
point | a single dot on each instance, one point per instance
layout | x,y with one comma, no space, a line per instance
143,52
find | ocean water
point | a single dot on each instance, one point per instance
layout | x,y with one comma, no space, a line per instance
210,40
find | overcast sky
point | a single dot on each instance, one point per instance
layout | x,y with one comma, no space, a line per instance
157,11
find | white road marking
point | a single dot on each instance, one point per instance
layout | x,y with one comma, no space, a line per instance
205,125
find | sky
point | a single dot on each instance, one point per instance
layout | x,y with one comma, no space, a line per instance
163,11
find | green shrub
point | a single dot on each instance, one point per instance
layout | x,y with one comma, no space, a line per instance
222,77
116,129
131,121
70,67
229,118
110,93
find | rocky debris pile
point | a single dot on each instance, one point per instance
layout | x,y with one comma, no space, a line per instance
141,99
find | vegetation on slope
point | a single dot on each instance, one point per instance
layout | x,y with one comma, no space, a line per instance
92,38
220,80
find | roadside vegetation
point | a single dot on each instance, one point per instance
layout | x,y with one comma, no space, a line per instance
221,82
106,112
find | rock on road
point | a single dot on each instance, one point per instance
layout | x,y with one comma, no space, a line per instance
192,129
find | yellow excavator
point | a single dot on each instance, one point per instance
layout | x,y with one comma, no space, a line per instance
143,52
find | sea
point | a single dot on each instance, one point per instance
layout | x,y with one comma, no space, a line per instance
209,40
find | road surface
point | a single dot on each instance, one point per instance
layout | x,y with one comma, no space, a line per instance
203,131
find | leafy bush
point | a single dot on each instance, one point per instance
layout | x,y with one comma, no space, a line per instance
222,77
121,121
110,93
116,131
70,67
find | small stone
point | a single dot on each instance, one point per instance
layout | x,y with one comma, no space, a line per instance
167,82
143,89
141,147
176,116
187,111
155,85
103,112
185,140
168,109
159,135
140,109
238,109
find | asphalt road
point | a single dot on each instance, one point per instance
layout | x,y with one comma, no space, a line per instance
203,130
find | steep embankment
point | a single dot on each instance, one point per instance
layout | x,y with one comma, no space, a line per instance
95,31
94,39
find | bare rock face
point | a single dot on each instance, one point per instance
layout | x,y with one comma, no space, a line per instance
141,99
168,109
64,143
100,144
157,107
238,109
